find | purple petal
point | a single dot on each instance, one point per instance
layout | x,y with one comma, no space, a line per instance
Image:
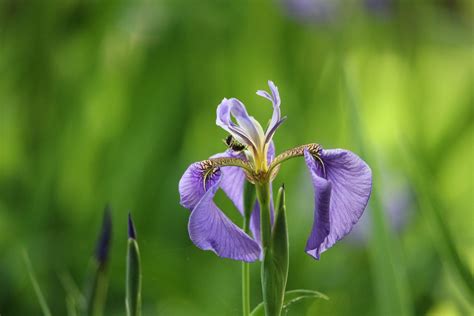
191,185
271,131
342,191
276,116
105,237
132,233
224,121
233,178
271,152
248,130
232,184
210,229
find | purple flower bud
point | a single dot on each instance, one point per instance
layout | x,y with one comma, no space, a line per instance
103,243
131,228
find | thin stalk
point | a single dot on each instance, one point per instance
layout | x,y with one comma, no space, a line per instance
246,277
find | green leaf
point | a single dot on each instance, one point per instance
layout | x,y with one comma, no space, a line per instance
291,297
133,277
75,301
294,296
97,279
275,261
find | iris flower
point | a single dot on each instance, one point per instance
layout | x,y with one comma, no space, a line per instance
342,183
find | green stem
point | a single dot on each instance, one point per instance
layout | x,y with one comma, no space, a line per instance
263,196
246,277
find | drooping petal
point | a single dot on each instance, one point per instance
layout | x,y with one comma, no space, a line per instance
192,186
210,229
342,190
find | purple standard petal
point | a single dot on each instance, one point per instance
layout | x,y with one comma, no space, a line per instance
342,190
248,131
276,120
210,229
224,121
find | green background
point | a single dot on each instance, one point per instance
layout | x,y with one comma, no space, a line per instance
109,102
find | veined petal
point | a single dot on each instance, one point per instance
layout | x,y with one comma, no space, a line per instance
192,186
271,152
247,130
276,120
251,127
210,229
342,189
224,121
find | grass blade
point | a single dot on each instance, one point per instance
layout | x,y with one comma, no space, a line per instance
42,301
391,286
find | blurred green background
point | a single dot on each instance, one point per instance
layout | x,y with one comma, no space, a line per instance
109,102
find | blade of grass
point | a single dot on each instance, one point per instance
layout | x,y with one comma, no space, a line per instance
39,295
391,286
75,301
432,209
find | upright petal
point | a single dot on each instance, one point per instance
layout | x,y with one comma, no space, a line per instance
224,120
342,189
276,120
247,130
274,97
210,229
247,122
271,152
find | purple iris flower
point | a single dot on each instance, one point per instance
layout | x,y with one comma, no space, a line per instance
342,184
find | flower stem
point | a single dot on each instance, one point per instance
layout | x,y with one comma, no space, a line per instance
264,199
263,196
246,277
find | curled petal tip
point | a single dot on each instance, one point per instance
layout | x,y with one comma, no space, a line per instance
131,228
